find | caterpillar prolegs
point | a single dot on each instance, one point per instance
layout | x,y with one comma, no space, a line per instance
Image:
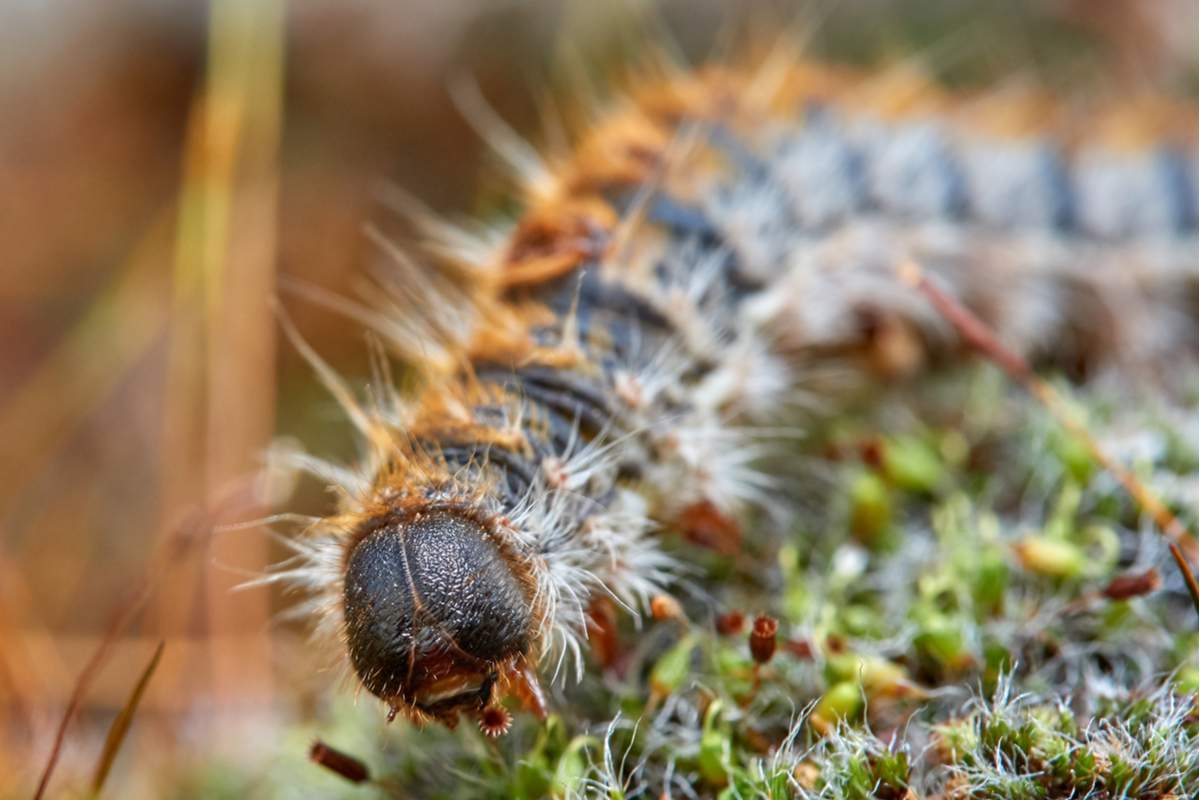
691,272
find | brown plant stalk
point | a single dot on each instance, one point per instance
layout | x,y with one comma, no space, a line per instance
980,337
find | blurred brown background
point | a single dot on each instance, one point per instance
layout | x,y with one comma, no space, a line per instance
161,165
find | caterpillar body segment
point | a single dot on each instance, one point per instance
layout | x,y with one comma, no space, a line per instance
670,285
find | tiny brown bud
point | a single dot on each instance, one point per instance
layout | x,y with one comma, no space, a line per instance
663,607
806,774
800,648
338,762
708,526
871,453
495,721
757,740
762,638
1136,584
835,644
731,623
832,452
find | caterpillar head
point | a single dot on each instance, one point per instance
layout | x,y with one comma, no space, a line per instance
436,613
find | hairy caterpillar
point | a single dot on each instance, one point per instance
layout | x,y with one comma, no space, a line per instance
690,271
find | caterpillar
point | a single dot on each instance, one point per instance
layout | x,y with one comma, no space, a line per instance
719,250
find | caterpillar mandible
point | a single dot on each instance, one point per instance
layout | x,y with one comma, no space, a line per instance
717,241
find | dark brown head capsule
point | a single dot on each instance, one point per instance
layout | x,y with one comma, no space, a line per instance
434,611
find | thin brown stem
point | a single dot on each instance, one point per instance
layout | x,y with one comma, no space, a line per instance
184,539
1188,577
978,335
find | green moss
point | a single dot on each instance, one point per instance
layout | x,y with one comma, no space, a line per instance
969,556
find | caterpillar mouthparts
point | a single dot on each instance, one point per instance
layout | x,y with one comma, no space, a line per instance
434,612
588,381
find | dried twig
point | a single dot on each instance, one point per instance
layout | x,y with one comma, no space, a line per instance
977,334
1188,577
338,762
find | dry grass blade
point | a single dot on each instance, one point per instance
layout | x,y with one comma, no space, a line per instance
184,539
123,617
95,355
237,259
120,726
977,334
